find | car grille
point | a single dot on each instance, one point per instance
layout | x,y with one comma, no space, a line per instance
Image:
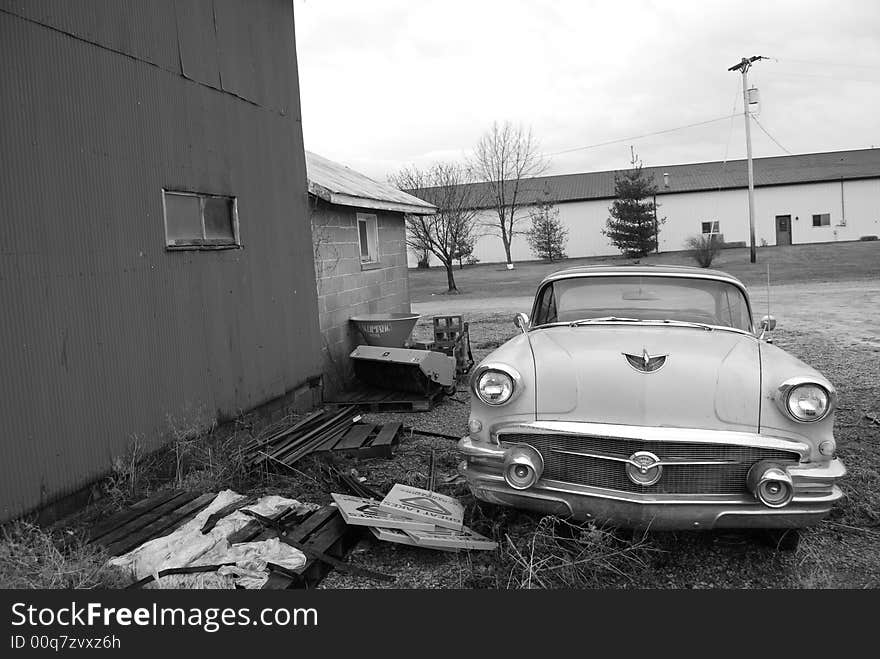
676,479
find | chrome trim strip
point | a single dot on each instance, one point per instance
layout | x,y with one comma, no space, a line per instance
652,434
558,487
659,463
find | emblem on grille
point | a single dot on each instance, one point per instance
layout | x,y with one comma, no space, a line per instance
646,363
644,468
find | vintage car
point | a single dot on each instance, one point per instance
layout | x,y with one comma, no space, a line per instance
645,396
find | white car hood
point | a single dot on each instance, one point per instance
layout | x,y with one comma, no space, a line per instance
710,379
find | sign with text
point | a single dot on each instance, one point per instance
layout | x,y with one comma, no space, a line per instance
364,512
451,539
424,505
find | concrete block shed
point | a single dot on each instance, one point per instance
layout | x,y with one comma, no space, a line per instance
359,238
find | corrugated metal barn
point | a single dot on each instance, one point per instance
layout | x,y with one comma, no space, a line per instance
155,249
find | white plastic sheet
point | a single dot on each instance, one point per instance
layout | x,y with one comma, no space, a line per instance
188,547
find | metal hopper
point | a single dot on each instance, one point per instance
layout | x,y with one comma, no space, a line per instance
384,362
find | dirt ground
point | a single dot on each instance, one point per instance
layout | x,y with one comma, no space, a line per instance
832,325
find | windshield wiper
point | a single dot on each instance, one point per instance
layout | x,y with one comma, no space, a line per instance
603,319
686,323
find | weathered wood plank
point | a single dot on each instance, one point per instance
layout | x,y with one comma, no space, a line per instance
135,510
146,518
355,437
129,542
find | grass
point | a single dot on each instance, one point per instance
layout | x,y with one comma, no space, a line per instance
34,557
789,264
533,551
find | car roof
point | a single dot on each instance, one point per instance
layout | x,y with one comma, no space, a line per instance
640,269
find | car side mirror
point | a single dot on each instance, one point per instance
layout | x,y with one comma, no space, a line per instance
521,320
768,323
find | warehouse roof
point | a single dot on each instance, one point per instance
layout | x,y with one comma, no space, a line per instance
342,185
707,176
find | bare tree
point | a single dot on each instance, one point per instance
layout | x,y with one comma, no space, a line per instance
504,157
450,231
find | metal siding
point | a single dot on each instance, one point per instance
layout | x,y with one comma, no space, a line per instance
197,40
145,30
253,46
104,331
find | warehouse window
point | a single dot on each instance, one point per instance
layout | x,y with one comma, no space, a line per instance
368,238
823,220
200,221
711,227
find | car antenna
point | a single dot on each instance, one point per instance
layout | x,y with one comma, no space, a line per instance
768,289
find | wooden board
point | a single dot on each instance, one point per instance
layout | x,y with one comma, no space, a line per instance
324,531
133,511
379,400
424,505
166,523
145,518
364,441
356,436
450,539
364,512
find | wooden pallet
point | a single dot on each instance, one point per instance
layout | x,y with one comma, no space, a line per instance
383,400
150,518
324,532
364,440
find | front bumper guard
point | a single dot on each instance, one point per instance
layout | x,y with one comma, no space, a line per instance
815,493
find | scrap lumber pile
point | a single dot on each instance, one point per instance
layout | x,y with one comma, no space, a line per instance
413,516
334,430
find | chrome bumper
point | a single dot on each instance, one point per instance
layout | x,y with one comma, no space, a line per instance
814,495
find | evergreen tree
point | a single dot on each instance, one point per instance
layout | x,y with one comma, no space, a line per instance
633,226
547,235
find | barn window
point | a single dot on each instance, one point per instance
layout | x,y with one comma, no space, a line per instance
710,227
200,221
368,238
822,220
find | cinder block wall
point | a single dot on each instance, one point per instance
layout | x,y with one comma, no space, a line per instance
347,288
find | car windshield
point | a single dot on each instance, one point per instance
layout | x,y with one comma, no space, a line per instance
643,298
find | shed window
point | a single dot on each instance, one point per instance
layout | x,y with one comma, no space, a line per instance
822,220
200,221
710,227
368,238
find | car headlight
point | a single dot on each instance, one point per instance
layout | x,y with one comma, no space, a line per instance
807,402
495,383
494,387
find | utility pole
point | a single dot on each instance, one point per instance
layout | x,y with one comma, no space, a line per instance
744,67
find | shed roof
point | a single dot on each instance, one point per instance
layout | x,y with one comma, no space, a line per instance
338,184
706,176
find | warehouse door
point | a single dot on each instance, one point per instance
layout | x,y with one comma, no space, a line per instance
783,229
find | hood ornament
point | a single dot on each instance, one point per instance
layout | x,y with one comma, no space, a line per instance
645,363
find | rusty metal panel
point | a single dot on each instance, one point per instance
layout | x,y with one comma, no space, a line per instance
105,332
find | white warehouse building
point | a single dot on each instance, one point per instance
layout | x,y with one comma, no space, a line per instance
809,198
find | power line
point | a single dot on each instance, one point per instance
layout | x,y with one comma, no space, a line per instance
637,137
823,77
825,63
732,117
764,130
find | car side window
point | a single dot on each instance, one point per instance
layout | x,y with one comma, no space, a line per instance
546,307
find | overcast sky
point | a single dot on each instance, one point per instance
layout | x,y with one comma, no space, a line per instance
386,83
